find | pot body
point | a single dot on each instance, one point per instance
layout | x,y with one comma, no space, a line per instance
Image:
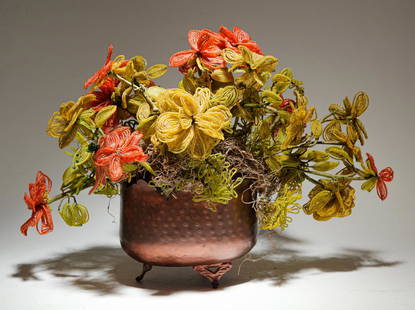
179,232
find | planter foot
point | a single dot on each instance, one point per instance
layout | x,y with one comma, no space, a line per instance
213,272
146,268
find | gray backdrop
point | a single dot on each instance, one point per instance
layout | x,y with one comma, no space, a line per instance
49,48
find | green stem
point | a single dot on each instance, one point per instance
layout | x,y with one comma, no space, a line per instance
334,176
57,197
307,144
329,143
326,117
137,87
314,181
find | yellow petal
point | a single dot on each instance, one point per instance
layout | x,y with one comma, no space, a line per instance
247,55
189,104
316,128
154,92
169,101
201,145
139,63
85,101
185,120
213,121
202,97
320,200
67,138
172,100
182,141
56,125
222,75
360,104
265,64
231,56
227,96
143,111
66,107
168,126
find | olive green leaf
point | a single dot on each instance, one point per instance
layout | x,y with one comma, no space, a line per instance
325,165
81,155
147,166
315,155
129,167
85,120
338,153
272,98
108,190
369,184
156,71
316,128
70,174
104,114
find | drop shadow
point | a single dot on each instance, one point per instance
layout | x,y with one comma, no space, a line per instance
278,258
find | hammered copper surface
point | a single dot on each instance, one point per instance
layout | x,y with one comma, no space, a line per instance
180,232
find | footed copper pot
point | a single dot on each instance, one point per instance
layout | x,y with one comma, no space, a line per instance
179,232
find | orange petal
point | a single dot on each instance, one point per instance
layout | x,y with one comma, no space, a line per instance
194,37
251,45
240,34
115,172
381,189
386,174
46,221
371,161
100,179
227,33
181,58
213,62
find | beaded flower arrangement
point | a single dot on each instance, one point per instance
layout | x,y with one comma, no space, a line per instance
232,119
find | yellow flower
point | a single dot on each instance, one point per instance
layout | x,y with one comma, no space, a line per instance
275,214
350,112
186,124
297,123
256,67
336,199
333,133
63,124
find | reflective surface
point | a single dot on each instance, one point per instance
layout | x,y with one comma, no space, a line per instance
180,232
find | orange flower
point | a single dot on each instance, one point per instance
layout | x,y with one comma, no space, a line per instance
206,45
385,175
103,98
118,147
103,95
37,202
101,73
239,37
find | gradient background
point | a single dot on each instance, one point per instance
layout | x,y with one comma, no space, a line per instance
49,48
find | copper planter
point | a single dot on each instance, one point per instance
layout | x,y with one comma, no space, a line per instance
179,232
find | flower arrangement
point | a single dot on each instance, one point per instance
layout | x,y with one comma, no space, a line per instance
233,119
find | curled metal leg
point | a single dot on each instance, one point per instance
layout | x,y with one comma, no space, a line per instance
213,272
146,268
